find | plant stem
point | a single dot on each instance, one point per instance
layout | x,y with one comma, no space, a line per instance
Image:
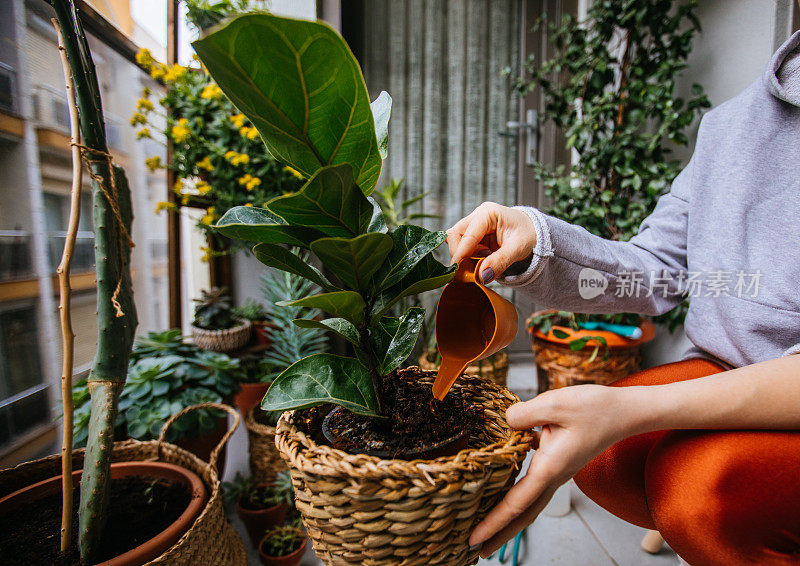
377,380
64,307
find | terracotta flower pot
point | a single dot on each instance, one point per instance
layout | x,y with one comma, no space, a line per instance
560,366
150,549
256,521
227,340
250,395
262,329
201,445
292,559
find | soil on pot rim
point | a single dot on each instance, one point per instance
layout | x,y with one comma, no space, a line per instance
416,421
138,510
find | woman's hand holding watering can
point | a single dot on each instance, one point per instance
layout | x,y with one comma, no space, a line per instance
506,233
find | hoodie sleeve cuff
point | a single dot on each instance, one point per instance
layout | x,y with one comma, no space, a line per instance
541,253
793,350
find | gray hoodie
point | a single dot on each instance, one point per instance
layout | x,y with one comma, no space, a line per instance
727,235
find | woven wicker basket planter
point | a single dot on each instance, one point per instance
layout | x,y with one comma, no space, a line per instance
227,340
559,366
359,509
209,541
265,460
494,368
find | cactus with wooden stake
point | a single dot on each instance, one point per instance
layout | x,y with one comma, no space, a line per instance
116,313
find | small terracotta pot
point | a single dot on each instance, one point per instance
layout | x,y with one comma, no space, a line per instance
256,521
292,559
150,549
201,445
250,395
262,329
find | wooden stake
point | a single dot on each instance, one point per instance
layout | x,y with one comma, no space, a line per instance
65,292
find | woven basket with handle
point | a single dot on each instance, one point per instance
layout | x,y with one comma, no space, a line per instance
228,340
494,368
265,460
360,509
209,541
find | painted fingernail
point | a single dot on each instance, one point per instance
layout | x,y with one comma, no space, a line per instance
475,547
483,253
487,275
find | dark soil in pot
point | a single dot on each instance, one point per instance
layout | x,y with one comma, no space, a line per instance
139,509
417,424
258,519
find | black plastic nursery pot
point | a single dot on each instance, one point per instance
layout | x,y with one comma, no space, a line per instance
363,509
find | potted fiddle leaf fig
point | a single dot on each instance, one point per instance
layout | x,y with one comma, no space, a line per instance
300,85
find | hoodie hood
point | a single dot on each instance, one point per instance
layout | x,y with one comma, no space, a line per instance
782,77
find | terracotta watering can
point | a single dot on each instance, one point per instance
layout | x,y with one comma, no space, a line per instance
472,323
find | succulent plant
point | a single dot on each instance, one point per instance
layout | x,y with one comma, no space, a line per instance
213,310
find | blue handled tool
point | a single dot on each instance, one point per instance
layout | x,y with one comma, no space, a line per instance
633,332
515,557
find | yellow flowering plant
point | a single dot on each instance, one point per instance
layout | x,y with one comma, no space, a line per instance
218,156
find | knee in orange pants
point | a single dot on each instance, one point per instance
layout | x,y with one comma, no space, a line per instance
718,498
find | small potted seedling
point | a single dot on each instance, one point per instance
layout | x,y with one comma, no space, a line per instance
282,545
215,327
257,314
260,505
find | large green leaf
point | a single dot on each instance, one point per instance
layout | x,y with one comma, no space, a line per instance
354,260
330,202
427,275
323,378
301,86
381,111
343,304
377,223
338,325
394,338
411,244
262,226
283,259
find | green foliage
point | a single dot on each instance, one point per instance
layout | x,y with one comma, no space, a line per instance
302,88
165,376
290,342
282,540
213,310
251,310
395,210
203,14
610,87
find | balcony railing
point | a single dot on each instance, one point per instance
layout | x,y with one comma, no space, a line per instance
15,255
8,88
82,257
50,108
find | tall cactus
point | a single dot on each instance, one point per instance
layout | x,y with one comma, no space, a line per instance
116,312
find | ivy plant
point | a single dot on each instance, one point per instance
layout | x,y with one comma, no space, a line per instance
610,86
301,86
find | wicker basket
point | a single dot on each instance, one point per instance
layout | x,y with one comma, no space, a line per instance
359,509
558,366
265,460
494,368
209,541
227,340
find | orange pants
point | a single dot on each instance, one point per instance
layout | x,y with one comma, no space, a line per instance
717,497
